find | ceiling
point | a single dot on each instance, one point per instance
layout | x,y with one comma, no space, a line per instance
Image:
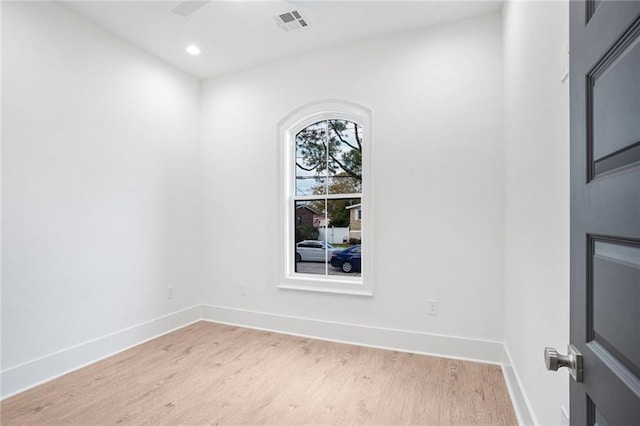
238,34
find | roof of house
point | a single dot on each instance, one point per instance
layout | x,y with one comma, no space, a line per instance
304,206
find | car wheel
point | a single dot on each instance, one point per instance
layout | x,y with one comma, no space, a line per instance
347,267
298,257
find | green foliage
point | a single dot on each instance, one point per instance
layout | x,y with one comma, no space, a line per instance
336,209
338,213
306,232
329,148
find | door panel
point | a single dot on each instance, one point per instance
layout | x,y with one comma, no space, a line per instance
600,420
605,210
615,127
614,130
615,300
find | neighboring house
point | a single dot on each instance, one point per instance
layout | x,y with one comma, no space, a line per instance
355,221
305,215
320,221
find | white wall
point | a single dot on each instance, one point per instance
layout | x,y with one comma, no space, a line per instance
100,184
438,181
537,198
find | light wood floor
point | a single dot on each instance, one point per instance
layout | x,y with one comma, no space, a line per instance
214,374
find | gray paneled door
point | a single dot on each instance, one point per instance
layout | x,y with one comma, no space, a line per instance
605,210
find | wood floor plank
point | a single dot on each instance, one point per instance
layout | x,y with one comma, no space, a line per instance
216,374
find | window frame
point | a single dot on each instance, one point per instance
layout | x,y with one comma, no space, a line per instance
288,128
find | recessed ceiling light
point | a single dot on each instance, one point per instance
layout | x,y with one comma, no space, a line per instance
193,50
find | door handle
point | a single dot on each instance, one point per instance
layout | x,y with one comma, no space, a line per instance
573,361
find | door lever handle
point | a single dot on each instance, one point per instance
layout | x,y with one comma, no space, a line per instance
572,361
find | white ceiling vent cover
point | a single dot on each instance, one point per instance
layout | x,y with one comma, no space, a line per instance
186,8
290,21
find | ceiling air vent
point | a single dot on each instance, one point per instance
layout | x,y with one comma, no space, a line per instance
186,8
290,21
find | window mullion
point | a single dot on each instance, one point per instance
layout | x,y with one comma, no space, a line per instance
326,204
328,197
326,135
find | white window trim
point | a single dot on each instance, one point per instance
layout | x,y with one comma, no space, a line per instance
287,128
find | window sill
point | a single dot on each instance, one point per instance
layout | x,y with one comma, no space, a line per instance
321,289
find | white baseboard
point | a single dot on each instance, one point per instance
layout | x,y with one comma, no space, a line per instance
30,374
385,338
516,392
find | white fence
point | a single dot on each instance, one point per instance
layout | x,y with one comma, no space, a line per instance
334,235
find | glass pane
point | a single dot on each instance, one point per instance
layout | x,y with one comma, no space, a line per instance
345,157
344,234
328,237
311,250
311,160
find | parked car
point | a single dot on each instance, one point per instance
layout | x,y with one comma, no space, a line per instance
349,259
314,251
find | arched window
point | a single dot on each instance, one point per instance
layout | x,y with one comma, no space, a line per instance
325,150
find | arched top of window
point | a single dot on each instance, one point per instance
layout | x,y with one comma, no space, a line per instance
316,111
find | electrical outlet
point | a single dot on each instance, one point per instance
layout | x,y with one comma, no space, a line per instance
170,290
243,289
564,417
432,307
